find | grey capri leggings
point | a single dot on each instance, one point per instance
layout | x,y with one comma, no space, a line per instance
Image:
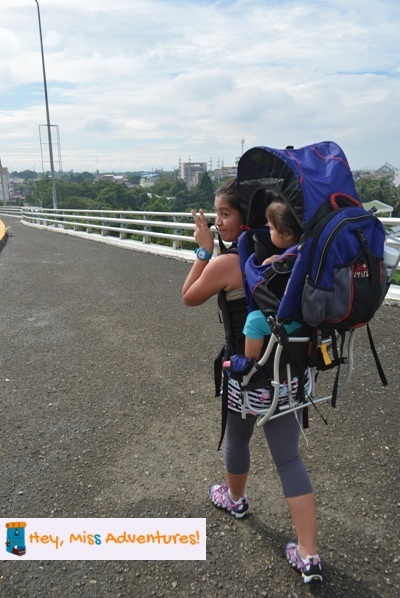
282,435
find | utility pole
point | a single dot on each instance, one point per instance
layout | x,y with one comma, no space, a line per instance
53,179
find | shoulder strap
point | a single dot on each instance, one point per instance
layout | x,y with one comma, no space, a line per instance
225,352
222,247
377,361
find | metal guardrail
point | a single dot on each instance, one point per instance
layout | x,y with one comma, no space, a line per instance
10,211
157,231
174,229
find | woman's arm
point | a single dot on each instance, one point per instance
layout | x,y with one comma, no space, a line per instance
207,279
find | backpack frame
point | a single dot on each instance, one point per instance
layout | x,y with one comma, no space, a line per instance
338,279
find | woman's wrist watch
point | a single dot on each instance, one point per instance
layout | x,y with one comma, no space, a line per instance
203,254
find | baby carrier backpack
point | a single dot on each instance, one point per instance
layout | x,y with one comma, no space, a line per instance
333,281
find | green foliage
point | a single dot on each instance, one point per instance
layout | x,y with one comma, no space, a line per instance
76,202
203,195
112,196
381,189
42,194
79,177
159,204
82,191
134,178
28,175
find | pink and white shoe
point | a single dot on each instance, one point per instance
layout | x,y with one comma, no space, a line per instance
220,497
310,567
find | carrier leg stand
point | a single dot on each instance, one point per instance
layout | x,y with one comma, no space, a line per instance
312,374
276,381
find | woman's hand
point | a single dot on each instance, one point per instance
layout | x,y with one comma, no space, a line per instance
202,234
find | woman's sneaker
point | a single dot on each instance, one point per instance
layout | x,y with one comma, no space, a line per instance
310,567
221,498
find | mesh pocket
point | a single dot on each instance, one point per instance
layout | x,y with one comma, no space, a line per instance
352,300
321,304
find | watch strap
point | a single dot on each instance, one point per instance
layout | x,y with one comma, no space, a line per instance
203,254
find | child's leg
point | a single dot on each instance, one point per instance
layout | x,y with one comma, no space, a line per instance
253,348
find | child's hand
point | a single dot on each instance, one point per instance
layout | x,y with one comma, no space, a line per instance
270,259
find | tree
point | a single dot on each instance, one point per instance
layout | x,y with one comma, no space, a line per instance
113,196
382,189
25,174
202,196
206,187
42,194
80,177
159,204
178,186
76,202
134,178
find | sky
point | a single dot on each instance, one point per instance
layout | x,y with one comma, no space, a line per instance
144,84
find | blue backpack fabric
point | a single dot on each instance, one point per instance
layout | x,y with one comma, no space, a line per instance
336,277
337,280
340,273
264,284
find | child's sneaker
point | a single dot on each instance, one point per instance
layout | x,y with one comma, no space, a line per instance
310,567
221,498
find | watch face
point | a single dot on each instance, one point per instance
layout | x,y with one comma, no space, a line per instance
203,254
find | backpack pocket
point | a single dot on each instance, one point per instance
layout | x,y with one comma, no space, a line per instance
320,304
351,300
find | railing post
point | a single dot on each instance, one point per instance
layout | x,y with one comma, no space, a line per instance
122,235
146,238
177,244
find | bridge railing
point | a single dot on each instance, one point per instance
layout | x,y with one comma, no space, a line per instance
153,229
11,211
172,229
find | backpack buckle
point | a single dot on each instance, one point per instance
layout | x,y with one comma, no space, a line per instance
362,237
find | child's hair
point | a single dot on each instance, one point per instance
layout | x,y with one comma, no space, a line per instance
282,219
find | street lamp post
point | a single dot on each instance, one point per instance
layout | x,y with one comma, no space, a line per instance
53,179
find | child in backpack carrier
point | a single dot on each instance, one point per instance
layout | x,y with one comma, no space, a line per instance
285,232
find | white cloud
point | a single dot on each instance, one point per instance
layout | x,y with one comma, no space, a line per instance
136,84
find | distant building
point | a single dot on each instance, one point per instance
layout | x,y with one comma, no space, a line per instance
4,185
380,208
148,179
224,172
387,170
191,172
114,178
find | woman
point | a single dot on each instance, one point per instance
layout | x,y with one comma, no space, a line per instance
222,276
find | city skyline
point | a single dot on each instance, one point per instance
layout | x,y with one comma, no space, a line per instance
138,86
